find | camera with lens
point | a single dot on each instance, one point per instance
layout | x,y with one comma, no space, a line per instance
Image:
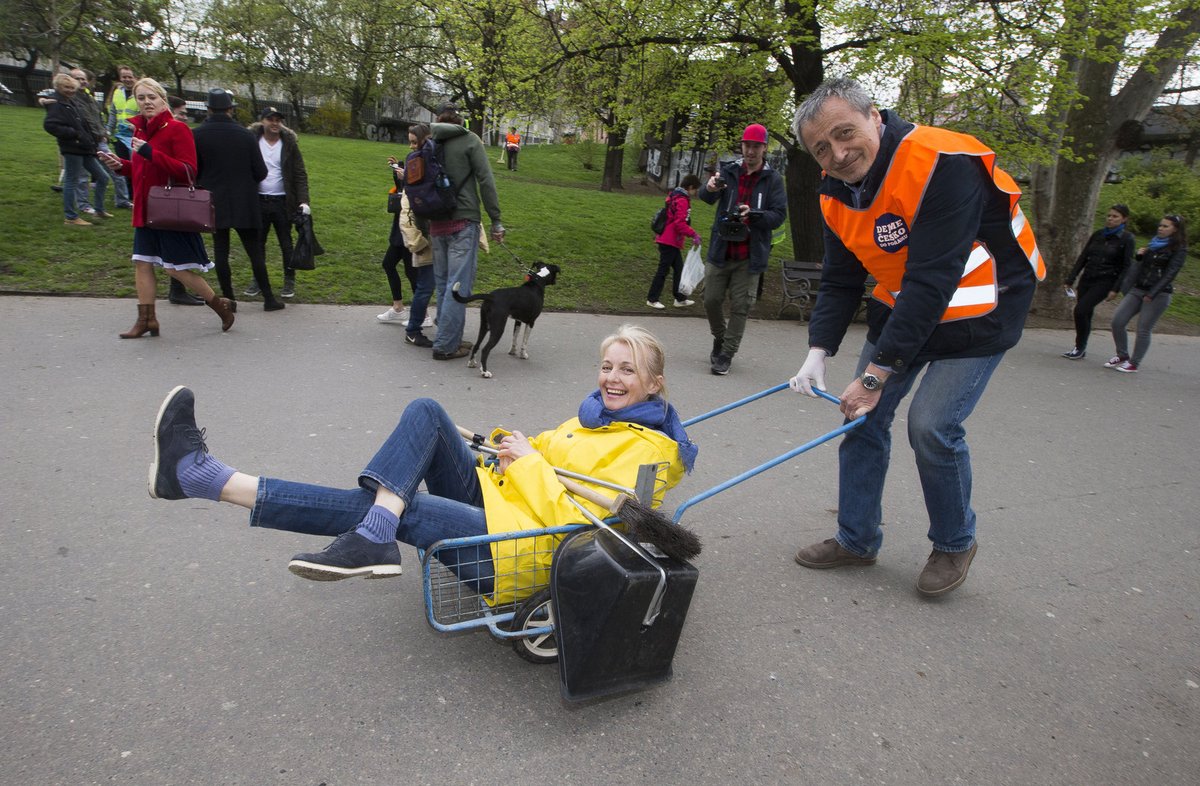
730,226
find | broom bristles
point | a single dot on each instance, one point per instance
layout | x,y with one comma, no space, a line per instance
651,526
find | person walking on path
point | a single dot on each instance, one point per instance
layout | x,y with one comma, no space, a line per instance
283,193
163,150
929,214
1148,286
456,239
1102,264
753,204
677,231
231,167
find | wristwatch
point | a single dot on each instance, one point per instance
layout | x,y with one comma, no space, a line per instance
870,381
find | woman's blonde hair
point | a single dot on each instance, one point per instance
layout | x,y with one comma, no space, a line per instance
152,84
61,80
649,358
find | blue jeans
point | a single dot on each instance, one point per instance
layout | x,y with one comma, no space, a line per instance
945,398
73,170
454,261
422,285
424,446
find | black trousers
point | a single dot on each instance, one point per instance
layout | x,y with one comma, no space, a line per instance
669,259
1090,294
274,215
391,260
254,250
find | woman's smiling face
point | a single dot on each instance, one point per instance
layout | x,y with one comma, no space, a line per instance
620,383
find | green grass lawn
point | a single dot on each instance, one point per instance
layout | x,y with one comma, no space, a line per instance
551,207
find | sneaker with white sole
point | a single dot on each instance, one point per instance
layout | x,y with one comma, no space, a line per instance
1128,367
1075,354
252,291
684,303
392,315
654,304
1115,361
429,321
349,555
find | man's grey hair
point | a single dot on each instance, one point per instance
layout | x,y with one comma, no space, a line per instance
842,87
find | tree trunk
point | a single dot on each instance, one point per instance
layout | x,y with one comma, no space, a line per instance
1064,220
614,159
802,175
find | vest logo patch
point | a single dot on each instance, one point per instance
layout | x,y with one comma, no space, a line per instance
891,233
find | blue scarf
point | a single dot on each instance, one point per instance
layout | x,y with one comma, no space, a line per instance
1118,229
1157,242
653,413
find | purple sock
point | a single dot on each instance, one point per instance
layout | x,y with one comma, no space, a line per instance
379,525
203,480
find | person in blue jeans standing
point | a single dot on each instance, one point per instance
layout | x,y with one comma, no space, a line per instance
928,213
625,423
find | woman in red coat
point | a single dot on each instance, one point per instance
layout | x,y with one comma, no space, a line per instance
678,229
162,152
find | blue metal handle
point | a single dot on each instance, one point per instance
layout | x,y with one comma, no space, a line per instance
773,462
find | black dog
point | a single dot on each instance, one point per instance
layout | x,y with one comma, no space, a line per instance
523,304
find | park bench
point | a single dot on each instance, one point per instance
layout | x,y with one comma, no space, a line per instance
800,282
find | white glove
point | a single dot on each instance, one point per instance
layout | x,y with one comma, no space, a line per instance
811,374
305,209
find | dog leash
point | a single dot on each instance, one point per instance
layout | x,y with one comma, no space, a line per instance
526,269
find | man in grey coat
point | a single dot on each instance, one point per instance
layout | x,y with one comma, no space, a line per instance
455,240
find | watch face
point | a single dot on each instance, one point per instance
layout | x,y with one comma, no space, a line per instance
870,382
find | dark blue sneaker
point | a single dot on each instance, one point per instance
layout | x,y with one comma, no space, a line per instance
175,436
348,556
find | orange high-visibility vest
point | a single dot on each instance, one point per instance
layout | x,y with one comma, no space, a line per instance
513,140
878,234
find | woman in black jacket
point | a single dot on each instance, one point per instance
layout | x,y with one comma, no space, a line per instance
78,147
1148,289
1103,263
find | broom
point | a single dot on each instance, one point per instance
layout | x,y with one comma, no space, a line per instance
644,523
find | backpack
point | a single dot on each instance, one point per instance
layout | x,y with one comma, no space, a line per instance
658,224
430,192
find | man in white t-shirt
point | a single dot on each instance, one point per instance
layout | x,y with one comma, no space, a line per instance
284,191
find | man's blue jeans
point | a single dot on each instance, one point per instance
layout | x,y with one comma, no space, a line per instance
73,169
945,398
454,261
424,446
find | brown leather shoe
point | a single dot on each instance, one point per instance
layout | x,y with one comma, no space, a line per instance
945,571
830,554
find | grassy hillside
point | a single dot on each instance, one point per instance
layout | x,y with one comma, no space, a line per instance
551,207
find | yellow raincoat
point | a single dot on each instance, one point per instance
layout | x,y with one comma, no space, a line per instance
529,497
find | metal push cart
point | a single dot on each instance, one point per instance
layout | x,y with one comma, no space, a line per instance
455,603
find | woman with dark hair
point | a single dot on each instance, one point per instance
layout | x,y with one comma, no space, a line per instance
162,151
1148,289
409,245
1103,262
678,229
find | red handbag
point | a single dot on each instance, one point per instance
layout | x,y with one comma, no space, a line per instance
181,209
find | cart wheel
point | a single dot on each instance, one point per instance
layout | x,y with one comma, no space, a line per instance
536,612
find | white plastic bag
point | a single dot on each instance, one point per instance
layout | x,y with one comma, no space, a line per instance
693,272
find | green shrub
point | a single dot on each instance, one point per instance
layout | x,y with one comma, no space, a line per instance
330,120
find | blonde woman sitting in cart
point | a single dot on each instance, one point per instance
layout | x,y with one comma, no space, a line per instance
625,423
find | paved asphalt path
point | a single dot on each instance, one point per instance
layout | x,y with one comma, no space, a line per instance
152,642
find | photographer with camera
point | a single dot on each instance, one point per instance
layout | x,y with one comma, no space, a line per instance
752,205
